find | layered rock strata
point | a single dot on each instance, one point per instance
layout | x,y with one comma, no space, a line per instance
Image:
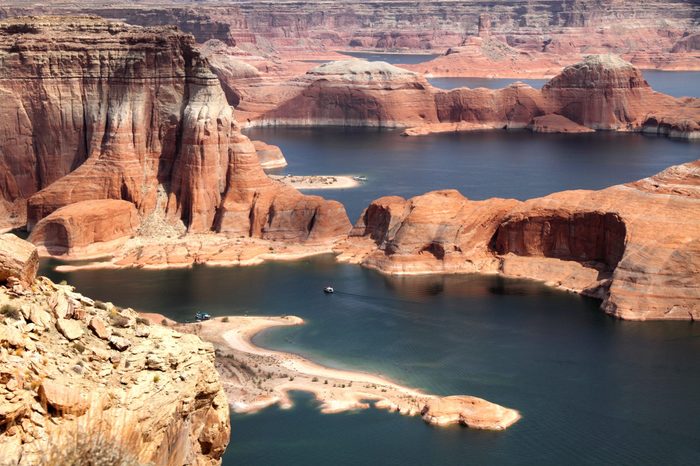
635,246
601,92
97,110
80,377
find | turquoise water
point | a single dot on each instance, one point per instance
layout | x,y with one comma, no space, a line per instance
516,164
592,390
675,83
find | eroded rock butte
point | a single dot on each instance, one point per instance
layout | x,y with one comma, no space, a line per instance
635,246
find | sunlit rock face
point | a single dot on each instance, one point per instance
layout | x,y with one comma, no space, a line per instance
634,246
101,110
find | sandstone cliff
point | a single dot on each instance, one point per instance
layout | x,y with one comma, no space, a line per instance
80,376
600,92
97,110
635,246
486,38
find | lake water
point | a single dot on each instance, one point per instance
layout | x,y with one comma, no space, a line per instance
592,390
675,83
516,164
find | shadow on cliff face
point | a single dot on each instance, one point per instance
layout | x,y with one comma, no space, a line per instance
592,238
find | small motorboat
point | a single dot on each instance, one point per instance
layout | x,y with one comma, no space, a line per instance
201,316
359,178
329,290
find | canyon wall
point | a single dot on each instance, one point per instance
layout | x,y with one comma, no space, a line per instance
651,34
85,379
100,110
635,246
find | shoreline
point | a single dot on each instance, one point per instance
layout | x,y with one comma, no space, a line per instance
255,378
198,249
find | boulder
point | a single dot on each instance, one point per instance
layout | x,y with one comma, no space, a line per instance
71,329
98,327
63,398
119,343
18,259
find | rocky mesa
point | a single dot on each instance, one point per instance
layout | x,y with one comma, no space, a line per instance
79,377
635,246
600,92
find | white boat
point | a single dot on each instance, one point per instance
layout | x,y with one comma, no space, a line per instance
329,290
359,178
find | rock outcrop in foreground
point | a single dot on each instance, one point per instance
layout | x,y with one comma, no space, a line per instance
96,110
80,376
600,92
635,246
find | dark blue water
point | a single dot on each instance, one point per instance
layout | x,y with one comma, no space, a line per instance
516,164
592,390
675,83
393,58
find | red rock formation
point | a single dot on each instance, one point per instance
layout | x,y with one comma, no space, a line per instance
491,57
601,92
356,93
635,246
256,206
441,231
100,110
86,228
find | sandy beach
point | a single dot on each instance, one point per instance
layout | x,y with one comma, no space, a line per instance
303,182
255,378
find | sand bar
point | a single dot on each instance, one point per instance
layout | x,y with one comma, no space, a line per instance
303,182
255,378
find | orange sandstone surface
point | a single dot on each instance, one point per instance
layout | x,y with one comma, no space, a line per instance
97,111
600,92
635,246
